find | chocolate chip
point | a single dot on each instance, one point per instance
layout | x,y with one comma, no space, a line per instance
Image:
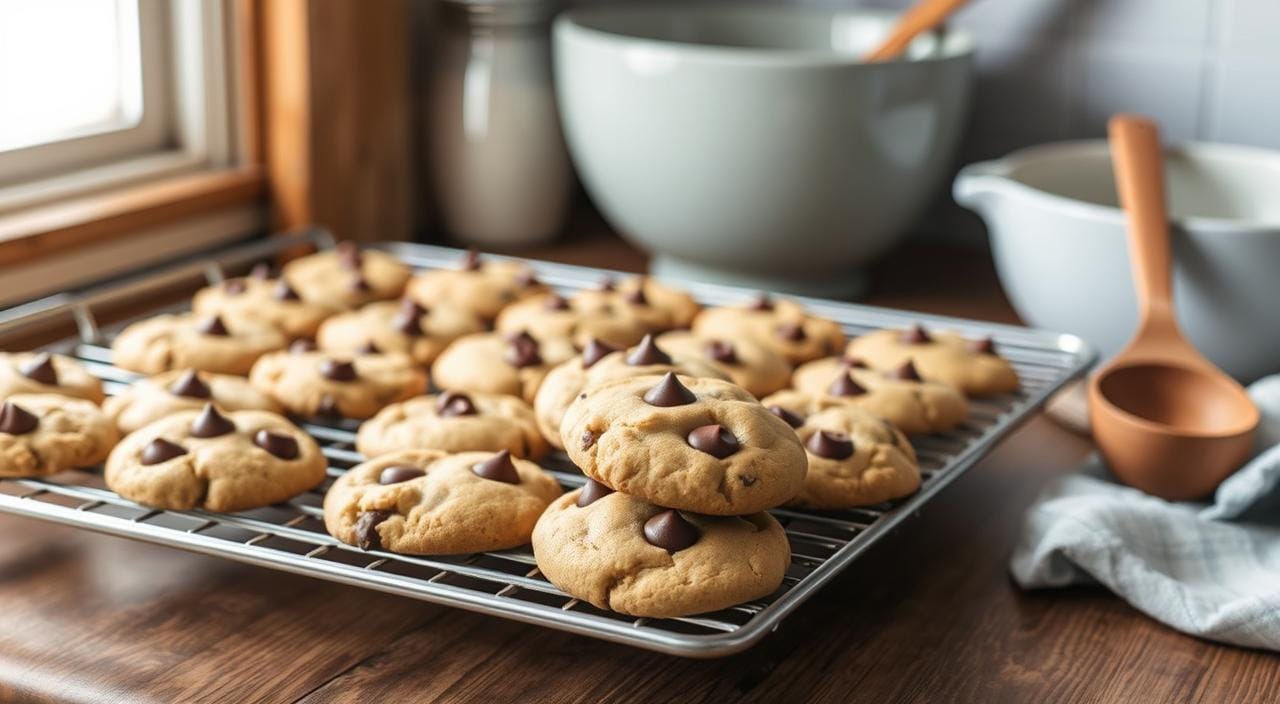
588,439
792,419
399,473
498,468
368,348
328,407
636,296
284,292
470,260
338,370
722,352
906,371
522,351
16,420
452,403
915,335
527,279
556,302
359,285
669,392
647,353
283,446
854,363
303,344
747,480
212,326
984,346
367,523
190,385
596,351
715,440
670,531
40,369
592,492
844,385
161,450
608,285
211,424
762,302
791,332
349,256
409,318
260,271
830,444
234,287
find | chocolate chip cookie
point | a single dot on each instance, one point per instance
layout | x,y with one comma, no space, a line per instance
320,384
454,422
428,502
480,285
47,433
192,341
346,276
702,445
580,318
44,373
405,326
216,461
975,367
258,299
781,325
621,553
159,396
677,308
899,396
499,363
600,363
855,458
754,367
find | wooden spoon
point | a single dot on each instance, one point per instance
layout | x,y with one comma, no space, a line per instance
1165,419
921,17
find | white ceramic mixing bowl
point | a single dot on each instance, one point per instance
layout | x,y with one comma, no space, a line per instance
1058,239
750,145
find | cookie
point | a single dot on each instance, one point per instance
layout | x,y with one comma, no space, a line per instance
974,367
259,299
215,461
901,397
346,276
624,554
600,363
702,445
402,326
428,502
313,383
454,422
754,367
676,308
191,341
47,433
781,325
855,458
579,319
159,396
497,363
44,373
482,286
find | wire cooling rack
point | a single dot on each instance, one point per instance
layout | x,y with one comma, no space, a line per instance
291,536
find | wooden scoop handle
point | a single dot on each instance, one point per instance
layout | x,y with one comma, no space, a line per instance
1139,172
922,17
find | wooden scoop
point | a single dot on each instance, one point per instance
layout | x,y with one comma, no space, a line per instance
1165,419
921,17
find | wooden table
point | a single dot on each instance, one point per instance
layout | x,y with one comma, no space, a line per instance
929,615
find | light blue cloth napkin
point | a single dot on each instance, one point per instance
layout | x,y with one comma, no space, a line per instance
1208,570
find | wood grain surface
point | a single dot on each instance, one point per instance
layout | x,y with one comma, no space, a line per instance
928,615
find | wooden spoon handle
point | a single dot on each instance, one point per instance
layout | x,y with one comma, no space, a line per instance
921,17
1139,173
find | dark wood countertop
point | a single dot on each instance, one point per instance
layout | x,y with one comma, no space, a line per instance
929,615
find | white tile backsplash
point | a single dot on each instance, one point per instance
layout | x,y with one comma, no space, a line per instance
1119,78
1247,108
1252,26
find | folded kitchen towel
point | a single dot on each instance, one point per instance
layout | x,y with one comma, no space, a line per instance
1208,570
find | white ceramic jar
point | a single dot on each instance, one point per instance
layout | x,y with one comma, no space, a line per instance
497,156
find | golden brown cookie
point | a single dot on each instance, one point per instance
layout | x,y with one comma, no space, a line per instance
402,326
974,367
191,341
258,299
454,422
702,445
754,367
481,285
44,373
164,394
47,433
901,397
498,363
579,319
428,502
346,276
620,553
677,307
216,461
321,384
781,325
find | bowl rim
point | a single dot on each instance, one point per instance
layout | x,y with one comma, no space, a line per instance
958,44
1002,169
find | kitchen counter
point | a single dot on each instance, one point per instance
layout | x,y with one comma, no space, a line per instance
928,615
